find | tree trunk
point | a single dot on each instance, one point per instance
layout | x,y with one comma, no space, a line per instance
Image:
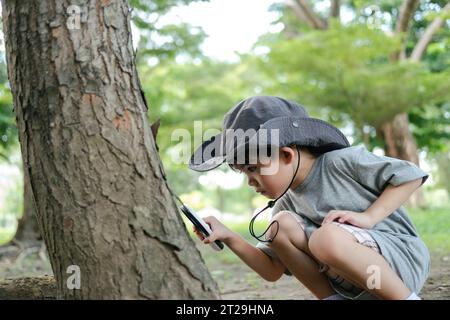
27,229
400,143
335,10
398,138
96,178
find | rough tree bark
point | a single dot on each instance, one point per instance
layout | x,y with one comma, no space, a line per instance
96,178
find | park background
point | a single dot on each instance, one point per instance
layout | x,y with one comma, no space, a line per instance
347,64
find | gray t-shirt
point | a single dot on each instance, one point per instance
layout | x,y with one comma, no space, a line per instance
352,179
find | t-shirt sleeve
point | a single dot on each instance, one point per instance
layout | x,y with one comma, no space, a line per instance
379,171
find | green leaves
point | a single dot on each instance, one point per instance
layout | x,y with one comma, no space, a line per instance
348,69
164,41
8,130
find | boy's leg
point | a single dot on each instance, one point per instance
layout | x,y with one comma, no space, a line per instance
291,246
337,248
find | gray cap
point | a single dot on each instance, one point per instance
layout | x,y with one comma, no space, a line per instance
265,121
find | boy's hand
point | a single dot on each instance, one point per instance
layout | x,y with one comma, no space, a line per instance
219,231
358,219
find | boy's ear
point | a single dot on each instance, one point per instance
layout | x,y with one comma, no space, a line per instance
287,154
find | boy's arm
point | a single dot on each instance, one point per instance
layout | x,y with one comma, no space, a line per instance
269,269
390,200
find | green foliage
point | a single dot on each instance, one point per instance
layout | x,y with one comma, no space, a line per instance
160,7
11,209
5,235
428,130
377,16
8,129
163,42
14,200
180,94
171,40
347,68
431,127
343,74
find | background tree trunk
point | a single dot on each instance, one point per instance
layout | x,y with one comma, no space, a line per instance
96,178
398,138
27,229
400,143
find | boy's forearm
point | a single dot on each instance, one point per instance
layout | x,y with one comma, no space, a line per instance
253,257
391,199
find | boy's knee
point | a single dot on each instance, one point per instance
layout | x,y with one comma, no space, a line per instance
279,224
286,229
325,243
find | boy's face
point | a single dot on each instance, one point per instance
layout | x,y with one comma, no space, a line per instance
272,176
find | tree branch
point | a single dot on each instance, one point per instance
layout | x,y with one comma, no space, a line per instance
304,12
298,13
406,12
427,36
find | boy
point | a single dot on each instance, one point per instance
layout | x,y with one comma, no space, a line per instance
338,225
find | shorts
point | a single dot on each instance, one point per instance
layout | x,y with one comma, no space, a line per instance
340,285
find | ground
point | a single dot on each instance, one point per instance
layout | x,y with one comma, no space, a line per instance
242,283
235,280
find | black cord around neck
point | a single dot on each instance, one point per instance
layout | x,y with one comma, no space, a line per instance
270,204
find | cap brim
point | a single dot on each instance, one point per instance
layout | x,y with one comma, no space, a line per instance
207,156
308,132
311,132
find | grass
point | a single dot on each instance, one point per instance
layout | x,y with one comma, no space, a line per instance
5,235
433,225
